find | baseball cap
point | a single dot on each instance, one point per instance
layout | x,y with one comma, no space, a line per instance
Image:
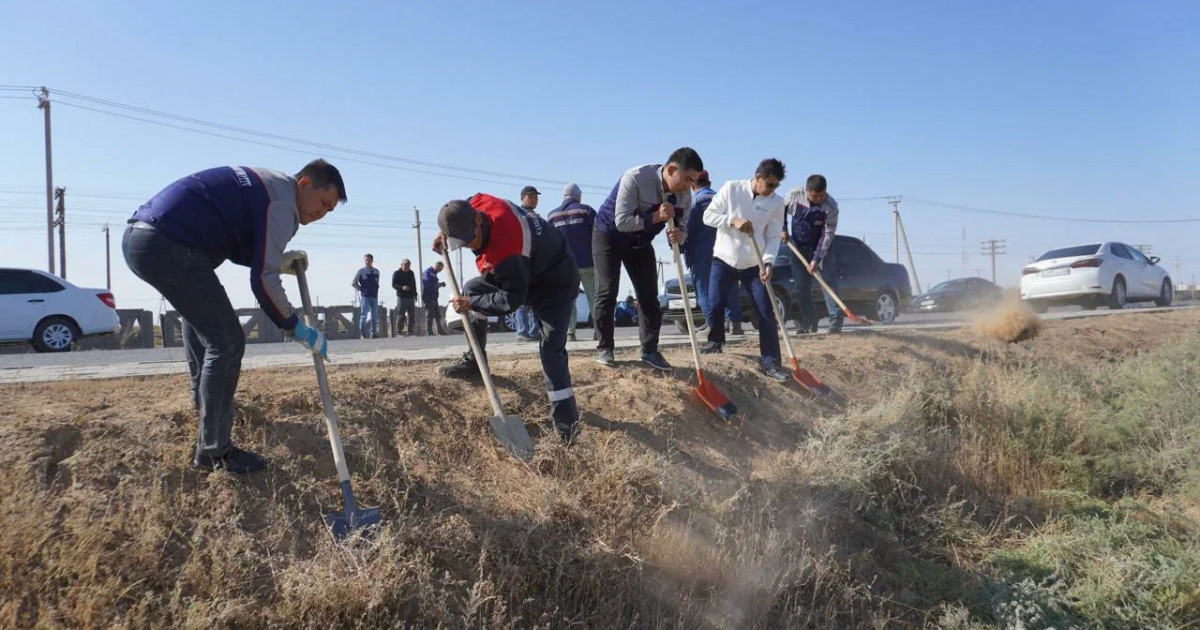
529,190
457,221
572,190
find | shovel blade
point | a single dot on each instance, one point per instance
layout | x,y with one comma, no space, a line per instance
809,382
346,524
512,435
714,399
859,320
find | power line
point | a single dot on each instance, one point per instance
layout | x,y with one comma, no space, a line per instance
319,145
1023,215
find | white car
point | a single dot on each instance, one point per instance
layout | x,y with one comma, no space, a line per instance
51,313
1108,273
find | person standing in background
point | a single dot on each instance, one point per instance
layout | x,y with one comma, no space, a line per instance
576,220
404,281
429,297
697,253
526,323
366,282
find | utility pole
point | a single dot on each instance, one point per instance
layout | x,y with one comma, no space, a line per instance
61,221
107,259
994,248
908,253
420,263
965,260
895,201
44,105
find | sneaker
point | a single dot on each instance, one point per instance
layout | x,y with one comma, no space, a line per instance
772,370
528,338
464,367
834,330
737,330
711,347
571,337
237,461
656,361
702,328
605,357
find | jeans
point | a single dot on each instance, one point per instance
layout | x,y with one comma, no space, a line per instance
804,280
526,323
552,349
587,277
406,314
701,270
213,340
368,308
721,278
642,267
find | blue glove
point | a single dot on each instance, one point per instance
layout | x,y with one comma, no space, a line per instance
312,339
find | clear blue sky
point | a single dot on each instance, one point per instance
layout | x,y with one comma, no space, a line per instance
1071,109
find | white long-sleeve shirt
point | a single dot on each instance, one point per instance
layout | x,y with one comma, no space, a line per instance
736,199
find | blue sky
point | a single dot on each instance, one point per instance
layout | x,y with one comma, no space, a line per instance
1067,109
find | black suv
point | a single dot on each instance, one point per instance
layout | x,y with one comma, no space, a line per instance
870,287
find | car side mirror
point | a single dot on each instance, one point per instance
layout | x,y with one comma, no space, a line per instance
1154,260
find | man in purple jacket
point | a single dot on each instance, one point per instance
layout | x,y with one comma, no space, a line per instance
176,241
576,220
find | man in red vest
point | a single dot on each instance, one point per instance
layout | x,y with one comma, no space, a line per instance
522,260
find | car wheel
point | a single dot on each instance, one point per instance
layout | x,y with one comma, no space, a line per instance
55,334
1166,294
1116,299
1037,307
885,307
510,321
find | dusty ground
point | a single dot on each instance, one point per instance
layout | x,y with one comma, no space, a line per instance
101,509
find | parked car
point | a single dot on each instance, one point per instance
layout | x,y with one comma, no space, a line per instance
51,313
1109,273
957,295
868,285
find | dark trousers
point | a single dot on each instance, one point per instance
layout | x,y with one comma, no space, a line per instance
804,280
433,316
701,271
406,314
642,267
552,349
719,281
212,334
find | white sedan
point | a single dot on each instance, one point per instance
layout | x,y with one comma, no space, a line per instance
51,313
1109,273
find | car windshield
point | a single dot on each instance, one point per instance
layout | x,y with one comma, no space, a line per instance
1071,252
943,287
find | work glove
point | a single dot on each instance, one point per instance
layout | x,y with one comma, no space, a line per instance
312,339
292,257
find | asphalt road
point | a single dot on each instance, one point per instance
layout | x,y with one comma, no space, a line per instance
30,366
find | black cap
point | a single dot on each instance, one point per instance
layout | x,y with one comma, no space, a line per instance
529,190
457,221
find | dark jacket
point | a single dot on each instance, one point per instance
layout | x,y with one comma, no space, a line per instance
524,258
405,283
367,282
576,220
429,286
701,238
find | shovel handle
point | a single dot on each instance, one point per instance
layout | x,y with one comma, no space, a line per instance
817,274
687,309
466,321
331,423
775,306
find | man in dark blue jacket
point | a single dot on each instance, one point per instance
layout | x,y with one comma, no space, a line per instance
429,296
176,241
366,282
522,260
576,220
697,253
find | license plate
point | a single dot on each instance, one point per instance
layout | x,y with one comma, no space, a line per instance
678,304
927,303
1055,272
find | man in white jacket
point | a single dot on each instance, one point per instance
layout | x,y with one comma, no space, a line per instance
747,209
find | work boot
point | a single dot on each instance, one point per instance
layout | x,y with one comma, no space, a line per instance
772,370
737,329
711,347
465,367
606,357
833,330
656,361
568,433
236,461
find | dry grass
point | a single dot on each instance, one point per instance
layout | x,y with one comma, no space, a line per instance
936,496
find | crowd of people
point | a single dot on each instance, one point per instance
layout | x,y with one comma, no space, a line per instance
529,266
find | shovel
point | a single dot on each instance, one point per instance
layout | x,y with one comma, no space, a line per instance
802,376
708,393
817,274
352,519
508,429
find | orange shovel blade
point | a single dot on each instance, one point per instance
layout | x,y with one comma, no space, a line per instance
714,399
808,381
